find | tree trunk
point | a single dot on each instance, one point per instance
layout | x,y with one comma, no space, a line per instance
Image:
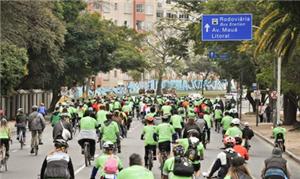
55,98
229,85
289,108
251,100
202,85
159,83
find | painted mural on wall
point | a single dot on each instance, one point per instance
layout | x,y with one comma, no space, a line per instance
133,87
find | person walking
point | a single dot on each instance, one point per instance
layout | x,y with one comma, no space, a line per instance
36,125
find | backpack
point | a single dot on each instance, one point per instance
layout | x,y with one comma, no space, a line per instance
111,165
192,152
183,167
55,119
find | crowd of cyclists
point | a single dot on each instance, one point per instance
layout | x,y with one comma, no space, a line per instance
176,133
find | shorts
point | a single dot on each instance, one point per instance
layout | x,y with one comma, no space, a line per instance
164,146
196,167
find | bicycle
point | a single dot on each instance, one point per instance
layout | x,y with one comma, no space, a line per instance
279,142
3,158
21,138
164,157
87,155
149,163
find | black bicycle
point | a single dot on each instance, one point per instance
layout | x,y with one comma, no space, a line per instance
149,163
21,138
3,158
87,155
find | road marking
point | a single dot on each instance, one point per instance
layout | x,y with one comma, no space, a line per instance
83,166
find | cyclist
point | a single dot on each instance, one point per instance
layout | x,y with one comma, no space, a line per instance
150,143
101,115
42,109
21,122
107,163
135,169
191,125
193,149
279,132
247,135
177,123
88,126
234,130
55,117
166,109
226,121
36,125
275,166
164,132
209,123
217,116
241,149
178,166
58,163
5,135
109,131
58,130
222,163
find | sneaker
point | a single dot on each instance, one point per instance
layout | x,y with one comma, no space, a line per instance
32,151
18,138
154,158
82,151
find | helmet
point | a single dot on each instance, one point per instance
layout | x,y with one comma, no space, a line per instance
194,140
64,114
235,121
229,141
238,140
58,143
20,110
246,124
178,150
3,121
34,107
150,118
108,145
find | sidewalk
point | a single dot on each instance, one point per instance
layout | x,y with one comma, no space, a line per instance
264,131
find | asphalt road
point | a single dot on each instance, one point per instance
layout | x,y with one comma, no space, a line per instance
22,165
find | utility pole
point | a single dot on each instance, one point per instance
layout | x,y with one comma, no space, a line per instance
278,104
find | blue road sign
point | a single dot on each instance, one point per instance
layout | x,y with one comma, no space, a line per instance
212,55
226,27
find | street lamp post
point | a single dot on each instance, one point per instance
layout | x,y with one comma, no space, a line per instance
278,102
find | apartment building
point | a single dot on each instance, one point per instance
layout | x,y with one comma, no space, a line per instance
141,15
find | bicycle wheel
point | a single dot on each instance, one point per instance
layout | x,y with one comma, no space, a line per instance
150,160
21,139
5,164
86,155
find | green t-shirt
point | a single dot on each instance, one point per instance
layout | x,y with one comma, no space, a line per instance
234,132
126,108
88,123
168,168
164,132
278,130
4,132
185,143
80,112
135,172
101,116
148,132
101,160
176,121
166,109
218,114
150,114
111,106
110,132
208,120
226,121
117,105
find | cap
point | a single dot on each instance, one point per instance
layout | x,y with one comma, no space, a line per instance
277,152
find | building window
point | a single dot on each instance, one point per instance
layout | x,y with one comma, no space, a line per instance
140,8
116,6
125,23
128,8
115,74
106,7
168,15
149,9
160,14
159,4
168,1
97,5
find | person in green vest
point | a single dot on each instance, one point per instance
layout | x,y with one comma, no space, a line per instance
234,130
147,135
166,109
193,149
218,117
110,131
5,135
225,122
177,123
279,132
101,115
208,120
55,117
135,169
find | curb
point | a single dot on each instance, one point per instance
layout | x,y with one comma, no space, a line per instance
287,152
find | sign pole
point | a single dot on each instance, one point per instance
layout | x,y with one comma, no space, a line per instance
278,105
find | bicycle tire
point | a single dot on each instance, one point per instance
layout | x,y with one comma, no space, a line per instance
86,155
36,150
150,160
21,139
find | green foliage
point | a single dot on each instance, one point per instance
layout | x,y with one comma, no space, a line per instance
13,63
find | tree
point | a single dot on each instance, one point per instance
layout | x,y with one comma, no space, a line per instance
12,66
164,51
